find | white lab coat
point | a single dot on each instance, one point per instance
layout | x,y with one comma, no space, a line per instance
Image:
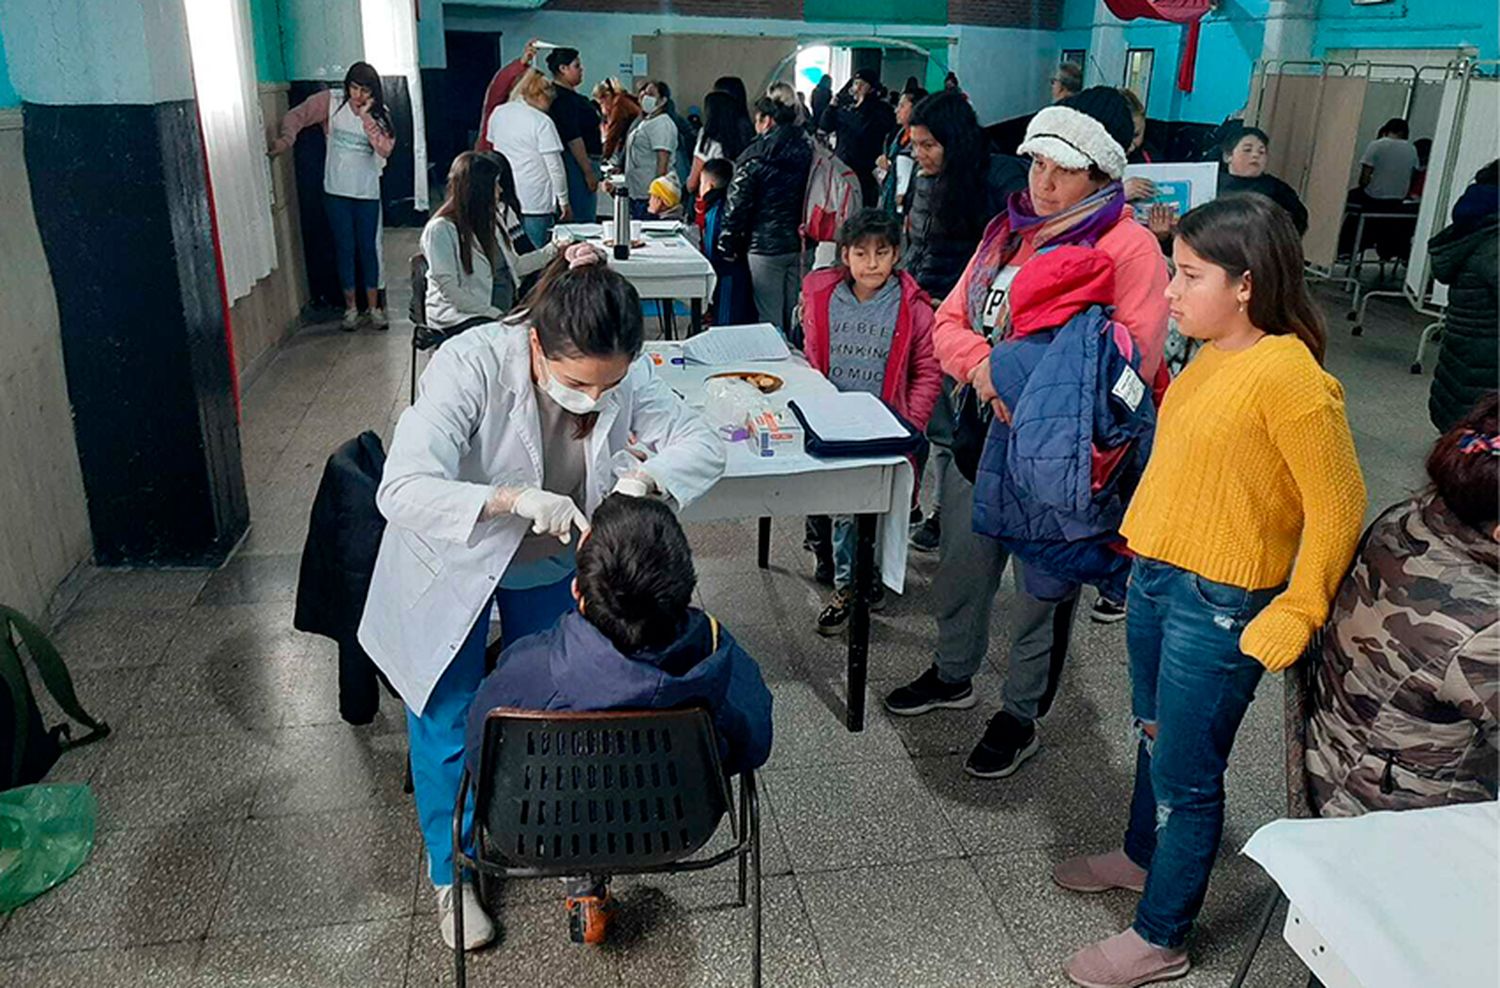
475,426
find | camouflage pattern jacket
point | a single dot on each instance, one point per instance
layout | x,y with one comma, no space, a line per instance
1403,705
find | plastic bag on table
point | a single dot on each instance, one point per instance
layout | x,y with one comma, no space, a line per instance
46,834
730,403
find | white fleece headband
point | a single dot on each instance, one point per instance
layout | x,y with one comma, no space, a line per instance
1073,140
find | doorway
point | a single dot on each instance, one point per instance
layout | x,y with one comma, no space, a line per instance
473,60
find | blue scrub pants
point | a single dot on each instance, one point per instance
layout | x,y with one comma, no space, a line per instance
437,735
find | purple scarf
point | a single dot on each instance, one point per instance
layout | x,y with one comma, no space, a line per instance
1082,223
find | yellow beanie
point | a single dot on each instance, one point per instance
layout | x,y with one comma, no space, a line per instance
666,189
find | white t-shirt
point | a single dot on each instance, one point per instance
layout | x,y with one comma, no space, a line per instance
708,149
648,136
1393,161
528,138
994,302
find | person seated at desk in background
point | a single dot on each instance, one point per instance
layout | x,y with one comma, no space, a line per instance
1386,168
635,642
1405,692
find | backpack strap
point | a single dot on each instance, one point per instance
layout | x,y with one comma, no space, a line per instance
54,675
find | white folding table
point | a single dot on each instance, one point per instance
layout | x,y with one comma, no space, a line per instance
877,491
1391,899
663,269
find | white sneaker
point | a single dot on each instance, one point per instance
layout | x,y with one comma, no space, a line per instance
479,929
378,319
351,320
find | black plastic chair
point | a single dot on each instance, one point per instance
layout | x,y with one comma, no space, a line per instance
615,792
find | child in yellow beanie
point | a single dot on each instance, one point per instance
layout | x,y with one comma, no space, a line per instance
666,198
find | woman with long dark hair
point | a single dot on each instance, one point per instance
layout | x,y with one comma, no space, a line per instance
506,452
1242,528
360,138
460,243
723,135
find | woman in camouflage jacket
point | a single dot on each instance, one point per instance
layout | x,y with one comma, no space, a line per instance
1403,706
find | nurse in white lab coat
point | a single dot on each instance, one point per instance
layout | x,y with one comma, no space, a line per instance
490,476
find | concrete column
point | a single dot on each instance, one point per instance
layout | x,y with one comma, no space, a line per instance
119,188
1290,26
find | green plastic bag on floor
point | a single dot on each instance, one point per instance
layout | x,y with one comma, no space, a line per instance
46,834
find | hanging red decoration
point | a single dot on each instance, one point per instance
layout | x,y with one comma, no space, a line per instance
1188,13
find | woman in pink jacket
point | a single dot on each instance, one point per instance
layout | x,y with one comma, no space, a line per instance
1073,196
360,138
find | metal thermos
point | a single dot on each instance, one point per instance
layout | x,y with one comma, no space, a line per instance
622,220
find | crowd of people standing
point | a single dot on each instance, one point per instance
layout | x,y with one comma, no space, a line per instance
1215,504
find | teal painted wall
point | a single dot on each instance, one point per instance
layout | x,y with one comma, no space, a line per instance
1409,24
1227,50
432,49
8,95
265,25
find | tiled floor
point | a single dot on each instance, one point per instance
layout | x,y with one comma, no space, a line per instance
248,837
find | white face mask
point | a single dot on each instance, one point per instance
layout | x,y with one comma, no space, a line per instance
648,103
573,401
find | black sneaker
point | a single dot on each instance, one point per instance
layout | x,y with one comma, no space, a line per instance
835,617
925,538
915,518
1007,742
929,692
1107,611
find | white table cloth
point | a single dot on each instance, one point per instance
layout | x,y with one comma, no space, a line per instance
663,268
1402,899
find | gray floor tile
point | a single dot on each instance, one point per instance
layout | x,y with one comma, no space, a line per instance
1063,795
533,950
166,965
242,687
142,588
332,767
808,727
944,732
298,871
845,816
769,646
356,955
117,638
666,933
148,782
249,579
761,597
262,629
927,924
143,886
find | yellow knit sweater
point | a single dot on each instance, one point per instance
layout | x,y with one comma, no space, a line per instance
1253,467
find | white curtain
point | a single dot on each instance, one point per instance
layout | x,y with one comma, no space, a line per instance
390,36
234,137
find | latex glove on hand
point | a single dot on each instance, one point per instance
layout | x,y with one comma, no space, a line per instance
549,513
637,484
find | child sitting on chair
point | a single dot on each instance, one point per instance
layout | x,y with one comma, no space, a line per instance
635,643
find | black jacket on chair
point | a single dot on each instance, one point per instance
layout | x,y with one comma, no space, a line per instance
763,210
343,538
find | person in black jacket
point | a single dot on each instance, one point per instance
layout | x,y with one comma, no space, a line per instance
860,120
763,211
1245,154
957,187
1464,257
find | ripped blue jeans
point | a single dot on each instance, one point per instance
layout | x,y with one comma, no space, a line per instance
1189,678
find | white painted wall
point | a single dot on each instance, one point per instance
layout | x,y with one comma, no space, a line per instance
603,42
87,52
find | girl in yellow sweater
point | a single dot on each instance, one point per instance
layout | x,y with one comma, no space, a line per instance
1253,470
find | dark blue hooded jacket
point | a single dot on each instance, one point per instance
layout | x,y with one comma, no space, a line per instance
573,666
1053,484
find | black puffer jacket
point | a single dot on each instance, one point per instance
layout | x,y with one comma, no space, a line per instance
936,255
763,211
1464,258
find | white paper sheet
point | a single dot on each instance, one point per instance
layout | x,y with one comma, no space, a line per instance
736,344
1183,186
849,416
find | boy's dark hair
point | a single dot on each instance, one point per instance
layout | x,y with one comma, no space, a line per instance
870,224
559,57
1237,134
1465,469
1395,127
778,111
635,573
721,170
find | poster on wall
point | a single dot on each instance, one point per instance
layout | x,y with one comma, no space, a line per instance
1180,187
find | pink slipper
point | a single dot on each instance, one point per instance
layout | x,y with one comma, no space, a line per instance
1125,960
1100,873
